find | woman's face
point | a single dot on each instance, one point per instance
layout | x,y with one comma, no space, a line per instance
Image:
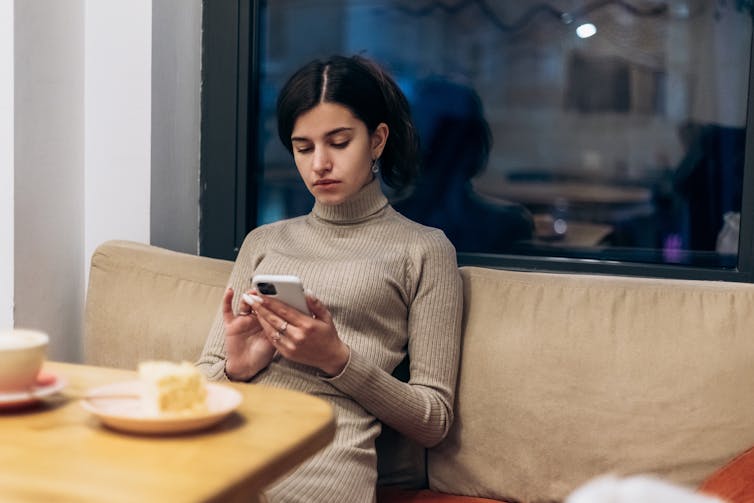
333,152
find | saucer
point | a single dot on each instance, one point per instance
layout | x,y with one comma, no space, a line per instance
120,408
50,385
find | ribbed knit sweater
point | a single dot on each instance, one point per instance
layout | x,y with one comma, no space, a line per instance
392,286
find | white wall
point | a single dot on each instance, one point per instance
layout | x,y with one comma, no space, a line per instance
49,174
6,164
118,66
76,150
81,160
176,65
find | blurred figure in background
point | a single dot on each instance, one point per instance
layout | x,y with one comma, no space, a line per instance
455,146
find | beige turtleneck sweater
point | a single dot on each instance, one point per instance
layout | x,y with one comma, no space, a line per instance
392,286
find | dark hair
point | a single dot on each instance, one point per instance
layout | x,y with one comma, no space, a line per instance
370,94
454,132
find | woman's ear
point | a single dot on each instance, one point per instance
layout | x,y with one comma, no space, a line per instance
379,139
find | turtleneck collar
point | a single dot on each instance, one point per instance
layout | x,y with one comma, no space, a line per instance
367,202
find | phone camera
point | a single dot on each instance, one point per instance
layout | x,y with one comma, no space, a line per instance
267,288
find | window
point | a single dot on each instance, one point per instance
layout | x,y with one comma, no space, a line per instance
618,129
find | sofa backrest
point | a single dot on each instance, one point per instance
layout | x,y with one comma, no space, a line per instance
564,377
145,302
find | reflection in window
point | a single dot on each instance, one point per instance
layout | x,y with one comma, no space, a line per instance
624,145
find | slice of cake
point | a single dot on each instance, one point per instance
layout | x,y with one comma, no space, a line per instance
172,388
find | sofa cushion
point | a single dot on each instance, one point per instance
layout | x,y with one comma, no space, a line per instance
565,377
145,302
396,495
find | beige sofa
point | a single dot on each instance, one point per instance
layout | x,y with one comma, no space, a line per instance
563,376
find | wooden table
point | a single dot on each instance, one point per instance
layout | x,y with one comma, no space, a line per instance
57,451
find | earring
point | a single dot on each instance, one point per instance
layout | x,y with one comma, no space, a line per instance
376,166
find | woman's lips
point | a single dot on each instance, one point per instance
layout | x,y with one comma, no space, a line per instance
325,183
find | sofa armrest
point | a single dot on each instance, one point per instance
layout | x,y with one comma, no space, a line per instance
734,482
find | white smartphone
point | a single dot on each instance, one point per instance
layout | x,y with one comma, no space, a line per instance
285,288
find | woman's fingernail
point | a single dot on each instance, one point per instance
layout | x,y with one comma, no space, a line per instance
309,293
252,299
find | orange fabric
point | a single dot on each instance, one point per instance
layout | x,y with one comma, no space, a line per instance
394,495
734,482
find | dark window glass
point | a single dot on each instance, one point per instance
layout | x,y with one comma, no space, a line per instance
592,130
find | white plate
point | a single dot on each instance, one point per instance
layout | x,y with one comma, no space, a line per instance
24,398
125,412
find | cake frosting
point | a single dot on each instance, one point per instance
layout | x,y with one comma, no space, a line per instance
172,388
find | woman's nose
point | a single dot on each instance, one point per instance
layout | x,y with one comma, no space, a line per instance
321,161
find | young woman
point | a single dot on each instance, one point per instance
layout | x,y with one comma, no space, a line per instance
383,286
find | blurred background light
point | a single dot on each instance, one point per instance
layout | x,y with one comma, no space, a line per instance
586,30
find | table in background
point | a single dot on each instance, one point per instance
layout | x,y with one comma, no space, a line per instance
574,233
551,193
56,451
592,210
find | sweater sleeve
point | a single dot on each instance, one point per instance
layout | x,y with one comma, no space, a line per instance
212,360
422,408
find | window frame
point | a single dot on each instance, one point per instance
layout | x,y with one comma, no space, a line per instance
230,176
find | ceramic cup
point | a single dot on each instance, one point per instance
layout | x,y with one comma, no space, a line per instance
22,353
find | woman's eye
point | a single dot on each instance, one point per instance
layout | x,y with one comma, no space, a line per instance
303,150
343,144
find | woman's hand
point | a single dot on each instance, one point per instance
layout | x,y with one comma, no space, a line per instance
311,340
247,350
